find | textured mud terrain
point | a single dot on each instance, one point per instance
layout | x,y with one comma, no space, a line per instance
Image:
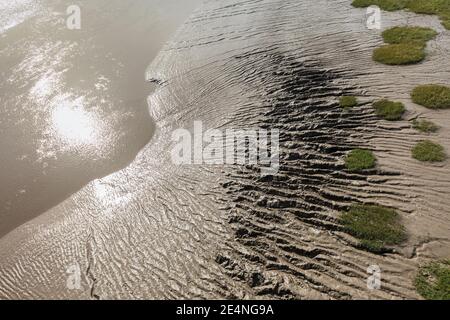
156,230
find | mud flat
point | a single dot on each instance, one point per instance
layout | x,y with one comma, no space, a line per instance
156,230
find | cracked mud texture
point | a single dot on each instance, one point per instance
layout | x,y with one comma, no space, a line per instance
156,230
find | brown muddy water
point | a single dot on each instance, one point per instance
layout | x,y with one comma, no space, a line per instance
73,102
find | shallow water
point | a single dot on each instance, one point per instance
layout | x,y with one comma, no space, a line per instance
73,102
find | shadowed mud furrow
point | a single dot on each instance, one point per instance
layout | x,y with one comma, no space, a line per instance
157,230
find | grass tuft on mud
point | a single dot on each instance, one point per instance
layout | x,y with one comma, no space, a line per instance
432,96
348,101
399,54
389,110
446,22
425,126
360,159
375,226
411,35
433,281
428,151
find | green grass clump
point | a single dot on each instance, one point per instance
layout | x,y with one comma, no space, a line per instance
412,35
348,101
360,159
432,96
406,45
433,281
375,226
429,6
446,24
428,151
425,126
389,110
399,54
445,19
388,5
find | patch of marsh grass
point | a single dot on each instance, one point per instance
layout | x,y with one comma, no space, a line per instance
433,281
348,101
359,159
432,96
389,110
446,21
411,35
399,54
375,226
428,151
425,126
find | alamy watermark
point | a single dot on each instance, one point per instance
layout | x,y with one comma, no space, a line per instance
257,147
73,21
374,280
373,18
73,281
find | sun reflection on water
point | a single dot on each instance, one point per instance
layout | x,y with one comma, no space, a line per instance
75,125
76,128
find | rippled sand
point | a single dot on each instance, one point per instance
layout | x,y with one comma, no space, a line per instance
156,230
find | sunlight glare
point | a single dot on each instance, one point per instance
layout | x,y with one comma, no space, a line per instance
74,125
